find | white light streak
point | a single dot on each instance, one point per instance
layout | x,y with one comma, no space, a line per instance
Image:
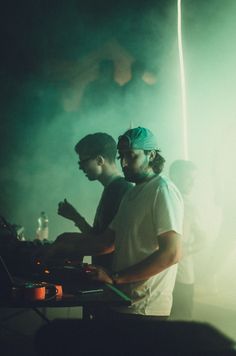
183,85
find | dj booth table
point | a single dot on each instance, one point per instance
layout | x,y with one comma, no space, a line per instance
19,308
77,289
61,285
108,296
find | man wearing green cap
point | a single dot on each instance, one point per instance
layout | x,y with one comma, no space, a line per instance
145,234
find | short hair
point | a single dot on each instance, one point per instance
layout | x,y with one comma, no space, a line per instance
158,163
99,143
181,166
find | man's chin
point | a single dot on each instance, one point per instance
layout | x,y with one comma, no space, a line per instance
135,178
128,177
132,178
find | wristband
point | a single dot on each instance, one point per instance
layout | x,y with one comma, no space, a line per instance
115,277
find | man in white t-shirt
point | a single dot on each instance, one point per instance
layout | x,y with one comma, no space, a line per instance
145,235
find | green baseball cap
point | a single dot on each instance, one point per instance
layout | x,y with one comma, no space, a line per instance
138,138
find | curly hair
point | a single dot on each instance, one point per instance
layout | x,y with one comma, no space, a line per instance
158,163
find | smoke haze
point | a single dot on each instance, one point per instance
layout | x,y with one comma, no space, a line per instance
47,64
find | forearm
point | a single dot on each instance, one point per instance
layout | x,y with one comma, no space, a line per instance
85,244
92,246
145,269
82,224
152,265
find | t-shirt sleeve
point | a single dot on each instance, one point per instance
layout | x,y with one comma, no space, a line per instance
168,210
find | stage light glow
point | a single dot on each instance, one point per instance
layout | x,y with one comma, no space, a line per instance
183,84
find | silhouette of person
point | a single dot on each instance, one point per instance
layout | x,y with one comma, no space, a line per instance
220,277
183,174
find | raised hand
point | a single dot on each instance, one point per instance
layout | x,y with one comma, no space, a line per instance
67,210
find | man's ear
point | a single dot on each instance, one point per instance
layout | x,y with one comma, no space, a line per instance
100,160
152,155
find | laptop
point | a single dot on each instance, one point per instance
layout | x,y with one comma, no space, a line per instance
7,281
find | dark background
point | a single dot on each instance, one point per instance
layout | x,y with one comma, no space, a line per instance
45,44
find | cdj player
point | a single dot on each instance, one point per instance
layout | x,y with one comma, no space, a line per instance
71,275
24,260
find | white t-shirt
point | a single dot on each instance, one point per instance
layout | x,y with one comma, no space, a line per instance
146,211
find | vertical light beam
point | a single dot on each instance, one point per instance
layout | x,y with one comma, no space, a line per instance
183,84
